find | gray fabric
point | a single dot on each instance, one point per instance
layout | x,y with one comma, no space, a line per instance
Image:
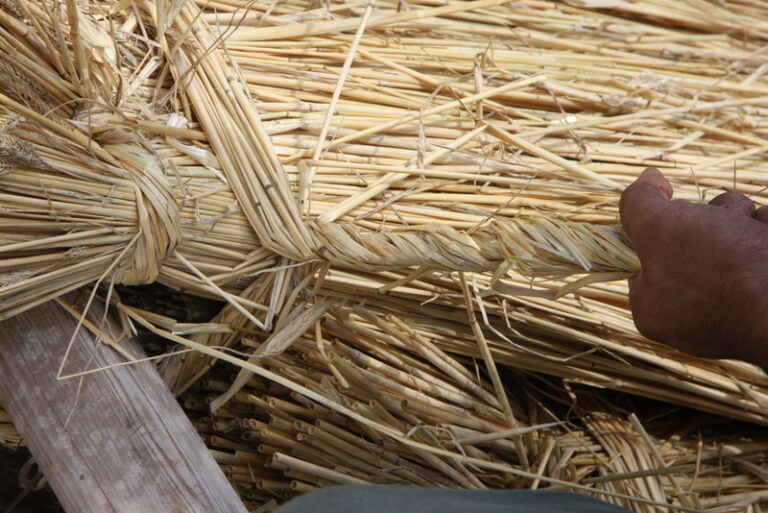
398,499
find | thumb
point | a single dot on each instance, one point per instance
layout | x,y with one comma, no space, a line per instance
642,198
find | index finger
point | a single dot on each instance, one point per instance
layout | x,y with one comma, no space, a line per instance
644,196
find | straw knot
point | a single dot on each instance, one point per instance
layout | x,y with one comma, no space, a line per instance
157,217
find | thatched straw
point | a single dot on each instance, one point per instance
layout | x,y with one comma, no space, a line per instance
602,447
329,182
147,223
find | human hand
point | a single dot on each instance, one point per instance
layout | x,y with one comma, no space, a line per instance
703,285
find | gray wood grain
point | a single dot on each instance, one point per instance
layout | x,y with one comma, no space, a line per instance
111,442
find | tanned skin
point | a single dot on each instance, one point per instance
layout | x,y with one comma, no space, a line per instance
703,287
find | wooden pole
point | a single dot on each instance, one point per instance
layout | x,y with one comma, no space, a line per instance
111,442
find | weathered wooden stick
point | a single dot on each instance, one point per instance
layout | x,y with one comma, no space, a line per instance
115,441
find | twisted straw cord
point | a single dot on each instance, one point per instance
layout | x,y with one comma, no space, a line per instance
534,246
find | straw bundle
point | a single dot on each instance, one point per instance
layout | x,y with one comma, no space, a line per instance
389,175
274,446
